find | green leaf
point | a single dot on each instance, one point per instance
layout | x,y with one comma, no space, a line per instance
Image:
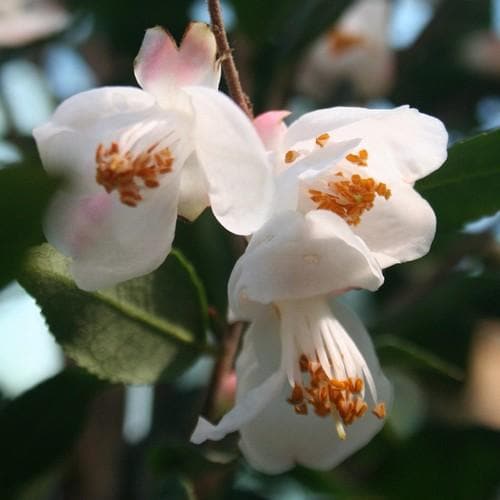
407,353
467,186
24,194
137,332
38,428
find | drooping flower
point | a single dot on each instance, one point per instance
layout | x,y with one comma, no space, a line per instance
310,389
354,51
134,159
306,371
359,166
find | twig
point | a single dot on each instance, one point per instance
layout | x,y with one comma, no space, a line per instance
223,366
226,56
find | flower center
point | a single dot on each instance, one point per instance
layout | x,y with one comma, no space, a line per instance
350,197
341,399
128,172
339,42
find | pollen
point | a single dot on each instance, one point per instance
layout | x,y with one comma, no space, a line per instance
343,400
128,173
379,410
322,139
360,159
339,41
291,156
350,198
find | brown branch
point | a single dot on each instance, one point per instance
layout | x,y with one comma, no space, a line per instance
226,57
223,366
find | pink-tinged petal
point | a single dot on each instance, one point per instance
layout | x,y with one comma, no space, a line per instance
155,64
238,173
295,256
160,67
271,128
197,57
129,242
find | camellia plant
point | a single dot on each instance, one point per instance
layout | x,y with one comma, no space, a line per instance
178,225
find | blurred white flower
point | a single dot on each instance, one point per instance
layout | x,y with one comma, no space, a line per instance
23,21
480,52
355,51
134,159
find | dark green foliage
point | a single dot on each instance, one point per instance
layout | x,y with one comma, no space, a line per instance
39,428
136,332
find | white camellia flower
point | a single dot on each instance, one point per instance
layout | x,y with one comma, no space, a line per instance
355,50
135,159
307,370
359,166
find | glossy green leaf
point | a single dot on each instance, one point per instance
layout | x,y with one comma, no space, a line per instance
409,354
24,194
467,186
137,332
39,427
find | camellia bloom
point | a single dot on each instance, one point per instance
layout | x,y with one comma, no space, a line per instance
359,166
355,51
134,159
307,373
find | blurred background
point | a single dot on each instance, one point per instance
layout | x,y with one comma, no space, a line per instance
435,322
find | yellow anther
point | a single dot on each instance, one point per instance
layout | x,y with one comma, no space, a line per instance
379,410
291,156
340,399
322,139
350,198
360,159
339,41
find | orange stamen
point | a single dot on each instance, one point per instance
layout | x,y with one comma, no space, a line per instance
340,399
350,198
291,156
122,171
322,139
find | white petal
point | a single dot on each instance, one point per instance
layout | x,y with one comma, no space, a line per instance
131,241
160,67
245,410
239,175
193,197
296,256
277,439
415,140
325,120
399,229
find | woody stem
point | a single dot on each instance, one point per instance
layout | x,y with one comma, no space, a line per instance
231,74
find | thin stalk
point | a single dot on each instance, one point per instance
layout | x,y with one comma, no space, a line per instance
225,52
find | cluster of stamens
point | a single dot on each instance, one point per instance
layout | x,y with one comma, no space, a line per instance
341,399
339,41
350,198
128,172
